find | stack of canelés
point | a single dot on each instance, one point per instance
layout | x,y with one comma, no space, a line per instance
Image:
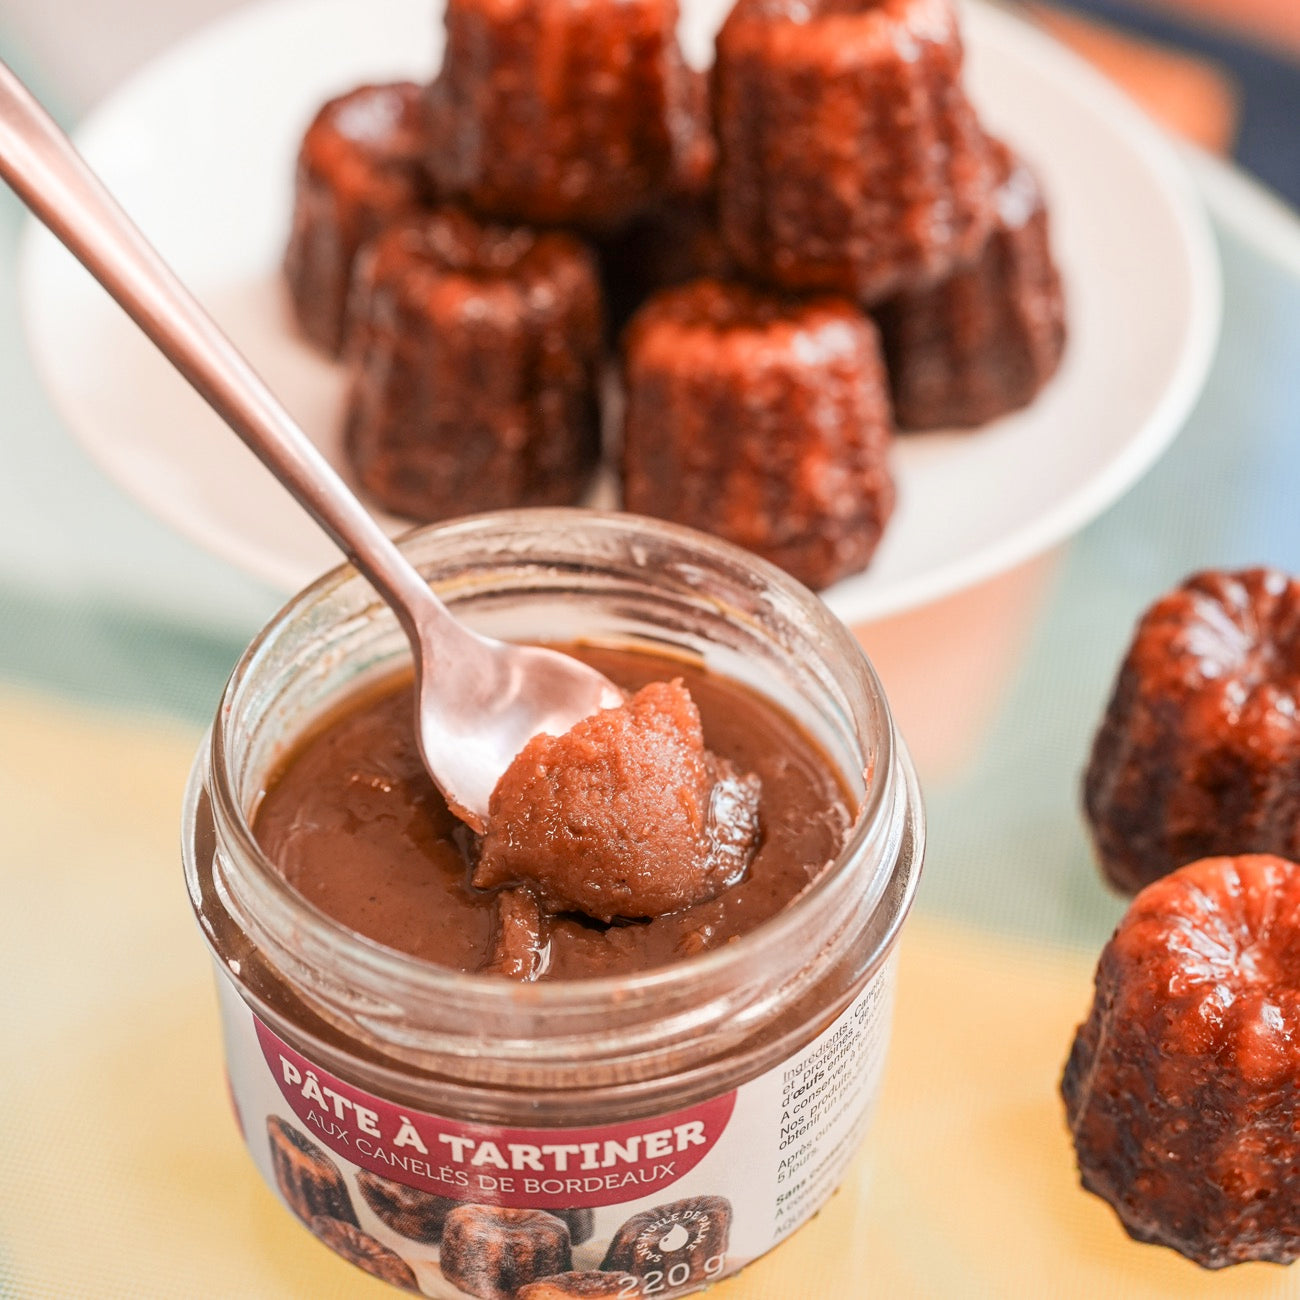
807,247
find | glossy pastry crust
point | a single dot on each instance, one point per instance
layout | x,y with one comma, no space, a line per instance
475,355
564,111
361,167
1199,750
985,340
762,419
1181,1090
849,158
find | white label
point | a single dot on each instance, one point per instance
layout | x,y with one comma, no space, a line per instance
663,1205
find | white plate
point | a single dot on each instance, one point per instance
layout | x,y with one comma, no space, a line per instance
200,147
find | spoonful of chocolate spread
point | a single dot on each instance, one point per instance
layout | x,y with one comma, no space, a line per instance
625,816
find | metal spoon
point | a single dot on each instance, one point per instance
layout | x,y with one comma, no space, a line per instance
478,700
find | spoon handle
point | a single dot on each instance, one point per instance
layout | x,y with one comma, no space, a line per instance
45,170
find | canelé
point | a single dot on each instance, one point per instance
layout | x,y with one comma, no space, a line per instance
491,1252
686,1239
406,1210
849,158
674,242
361,166
475,352
564,111
1181,1087
1199,750
763,419
363,1250
983,341
310,1182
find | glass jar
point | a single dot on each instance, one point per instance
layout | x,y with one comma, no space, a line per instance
679,1121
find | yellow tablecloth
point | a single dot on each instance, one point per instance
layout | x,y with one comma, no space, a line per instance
124,1174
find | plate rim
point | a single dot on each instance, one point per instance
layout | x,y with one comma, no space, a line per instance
1158,152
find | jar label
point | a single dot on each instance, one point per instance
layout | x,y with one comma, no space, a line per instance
660,1206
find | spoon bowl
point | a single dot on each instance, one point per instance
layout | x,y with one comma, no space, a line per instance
484,706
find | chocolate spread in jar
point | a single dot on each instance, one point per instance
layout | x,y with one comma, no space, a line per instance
626,816
356,825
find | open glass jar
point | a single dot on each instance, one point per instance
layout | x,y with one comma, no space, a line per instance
439,1128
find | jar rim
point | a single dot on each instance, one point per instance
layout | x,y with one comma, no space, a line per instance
425,979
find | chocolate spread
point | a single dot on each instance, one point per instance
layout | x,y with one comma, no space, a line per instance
355,823
626,816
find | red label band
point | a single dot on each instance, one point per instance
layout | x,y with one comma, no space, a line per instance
526,1168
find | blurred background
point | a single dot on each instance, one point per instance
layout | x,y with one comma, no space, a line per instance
116,635
1224,73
